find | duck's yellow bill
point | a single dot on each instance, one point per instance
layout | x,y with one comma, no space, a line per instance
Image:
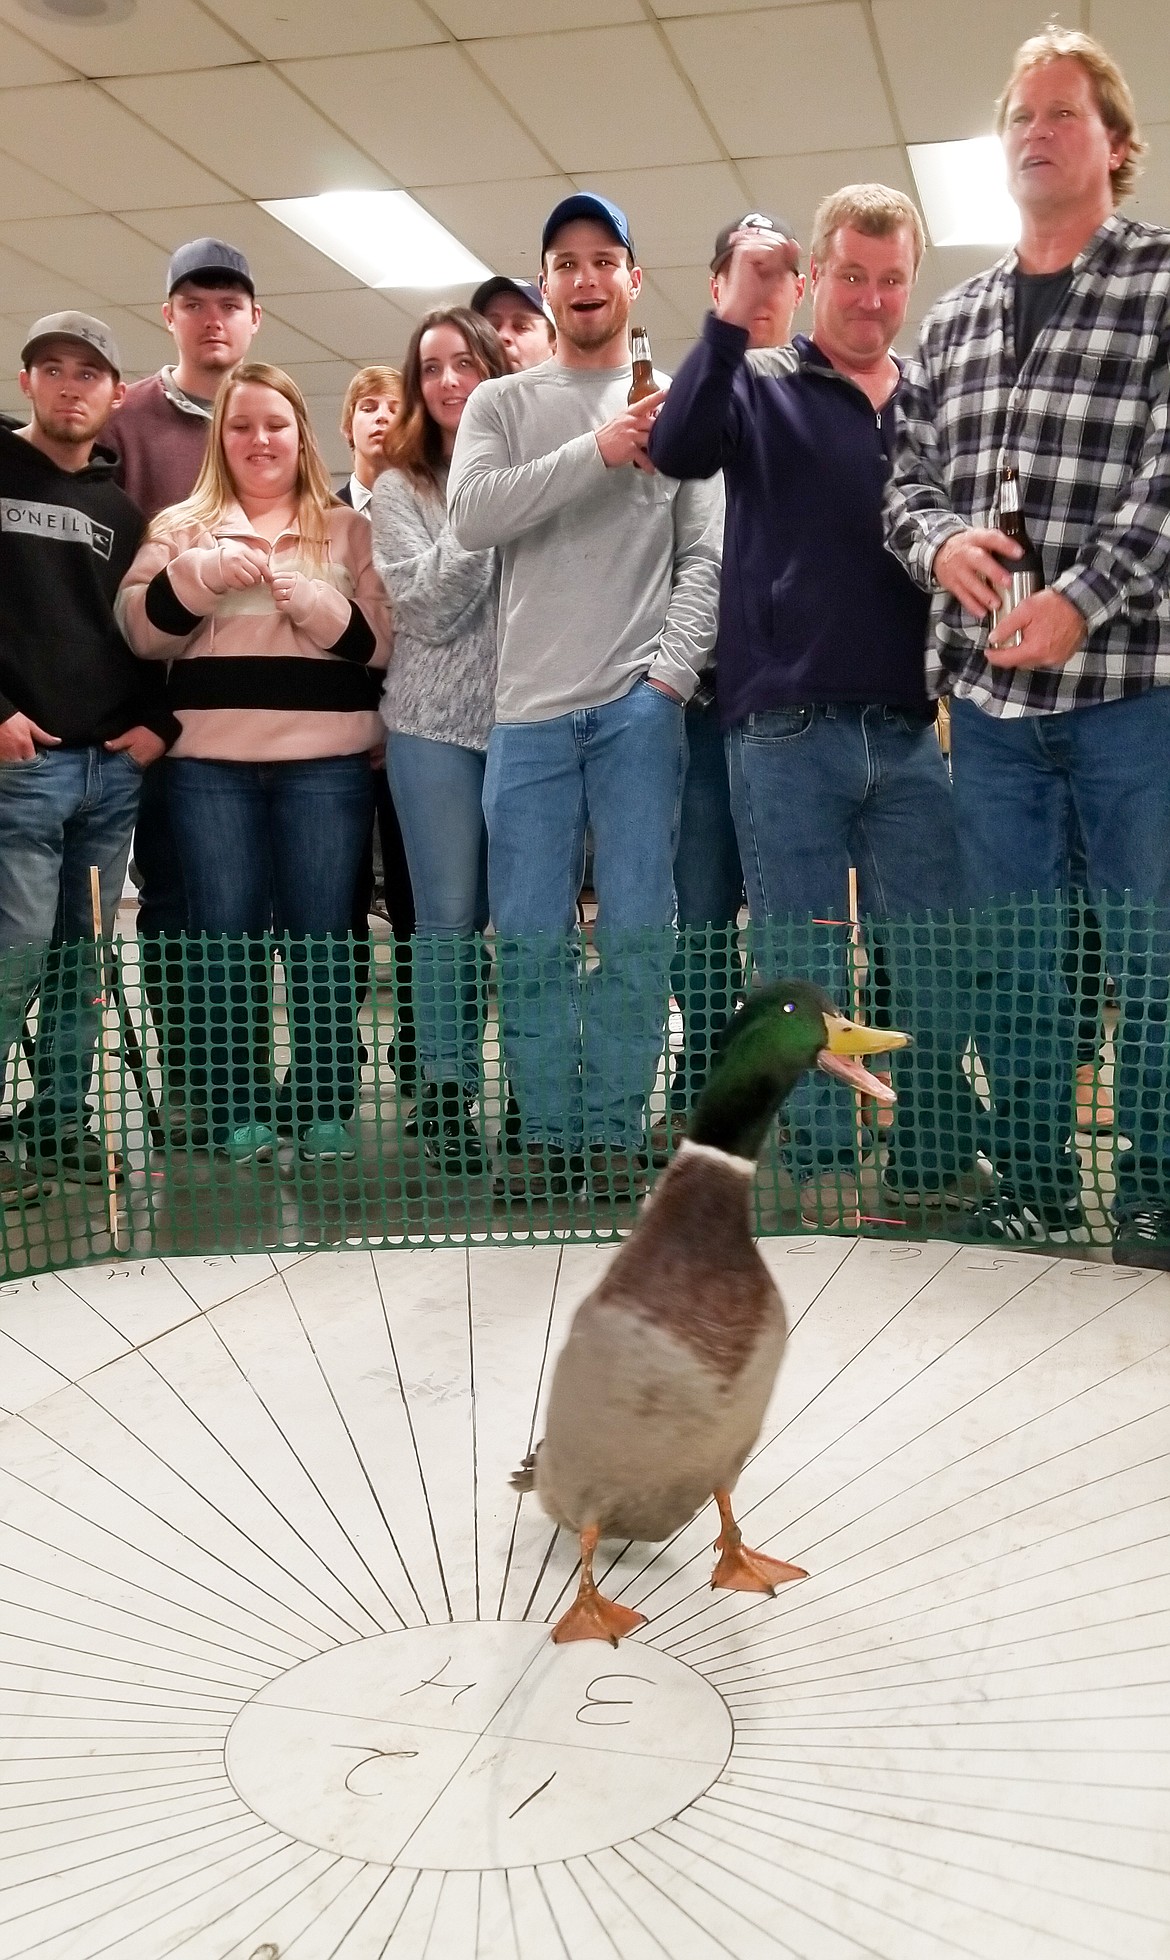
845,1040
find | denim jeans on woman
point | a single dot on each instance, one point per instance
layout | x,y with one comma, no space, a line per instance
583,1048
438,794
61,811
1018,786
254,838
813,791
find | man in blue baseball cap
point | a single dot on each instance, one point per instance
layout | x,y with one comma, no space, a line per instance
516,309
609,585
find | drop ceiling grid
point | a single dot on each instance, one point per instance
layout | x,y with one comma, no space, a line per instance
489,110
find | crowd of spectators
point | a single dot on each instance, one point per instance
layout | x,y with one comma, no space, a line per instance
698,630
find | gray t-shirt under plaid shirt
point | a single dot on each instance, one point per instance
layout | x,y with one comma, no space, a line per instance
1086,421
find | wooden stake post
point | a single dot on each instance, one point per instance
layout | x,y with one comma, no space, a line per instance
107,1073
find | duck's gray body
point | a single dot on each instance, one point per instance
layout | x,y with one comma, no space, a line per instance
661,1389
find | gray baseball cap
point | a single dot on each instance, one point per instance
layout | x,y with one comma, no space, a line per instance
203,255
74,326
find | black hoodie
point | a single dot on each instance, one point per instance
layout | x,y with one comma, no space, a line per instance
66,539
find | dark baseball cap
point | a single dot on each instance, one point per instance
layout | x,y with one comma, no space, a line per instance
209,255
758,221
500,283
74,326
587,204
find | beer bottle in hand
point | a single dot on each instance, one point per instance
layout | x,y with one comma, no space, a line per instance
643,383
1027,573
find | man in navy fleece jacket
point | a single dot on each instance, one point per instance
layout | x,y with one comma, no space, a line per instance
820,666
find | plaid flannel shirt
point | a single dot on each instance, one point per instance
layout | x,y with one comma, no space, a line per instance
1086,421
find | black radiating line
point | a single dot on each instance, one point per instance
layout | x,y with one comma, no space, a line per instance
548,1327
405,1401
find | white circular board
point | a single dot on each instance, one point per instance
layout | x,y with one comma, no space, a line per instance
275,1676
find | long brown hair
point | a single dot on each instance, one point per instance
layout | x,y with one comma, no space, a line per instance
215,493
414,444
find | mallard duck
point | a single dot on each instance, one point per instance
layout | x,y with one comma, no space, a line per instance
660,1390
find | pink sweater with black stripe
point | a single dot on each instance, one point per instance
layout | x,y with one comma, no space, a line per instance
246,683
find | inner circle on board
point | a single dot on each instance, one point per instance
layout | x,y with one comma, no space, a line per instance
477,1745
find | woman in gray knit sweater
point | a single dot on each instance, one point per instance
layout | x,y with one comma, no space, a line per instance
439,706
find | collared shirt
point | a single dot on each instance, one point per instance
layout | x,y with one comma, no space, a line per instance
359,496
1086,421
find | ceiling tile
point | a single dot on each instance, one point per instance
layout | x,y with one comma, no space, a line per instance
12,338
361,326
676,212
100,150
804,75
325,414
158,35
500,223
640,112
283,29
944,78
96,249
792,187
145,345
24,193
280,261
254,129
688,288
682,9
22,64
470,19
654,310
30,290
323,377
1135,33
443,116
945,267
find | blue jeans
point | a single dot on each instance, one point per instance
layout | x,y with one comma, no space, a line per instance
60,812
253,836
619,768
707,974
1018,786
438,794
817,789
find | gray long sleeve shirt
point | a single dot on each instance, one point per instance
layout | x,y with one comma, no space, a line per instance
441,679
608,575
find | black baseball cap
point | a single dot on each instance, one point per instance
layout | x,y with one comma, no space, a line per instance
760,222
587,204
209,255
500,283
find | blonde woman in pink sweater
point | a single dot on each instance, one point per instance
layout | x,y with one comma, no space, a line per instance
261,592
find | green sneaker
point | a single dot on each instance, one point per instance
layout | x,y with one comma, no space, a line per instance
250,1143
326,1142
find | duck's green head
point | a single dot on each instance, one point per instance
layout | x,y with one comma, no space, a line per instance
782,1031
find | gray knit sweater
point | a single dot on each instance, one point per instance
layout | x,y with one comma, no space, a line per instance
441,681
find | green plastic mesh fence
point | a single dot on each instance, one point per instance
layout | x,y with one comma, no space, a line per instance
222,1096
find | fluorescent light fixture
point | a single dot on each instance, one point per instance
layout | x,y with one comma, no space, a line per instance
963,191
383,237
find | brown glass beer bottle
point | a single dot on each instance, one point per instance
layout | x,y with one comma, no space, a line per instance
643,383
1027,573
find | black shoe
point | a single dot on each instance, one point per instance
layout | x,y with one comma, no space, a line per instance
76,1158
1142,1237
451,1138
402,1061
1020,1218
539,1171
512,1131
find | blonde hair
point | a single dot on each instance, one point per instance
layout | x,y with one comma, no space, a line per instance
215,493
368,381
1115,103
872,209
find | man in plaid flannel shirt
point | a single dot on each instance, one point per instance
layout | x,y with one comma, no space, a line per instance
1057,361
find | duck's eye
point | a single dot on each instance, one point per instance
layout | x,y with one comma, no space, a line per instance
790,1007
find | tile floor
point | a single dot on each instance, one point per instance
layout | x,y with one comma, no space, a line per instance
274,1672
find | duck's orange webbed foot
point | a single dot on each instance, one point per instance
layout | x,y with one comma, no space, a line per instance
741,1570
592,1617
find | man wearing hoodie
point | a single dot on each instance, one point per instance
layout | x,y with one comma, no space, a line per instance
80,719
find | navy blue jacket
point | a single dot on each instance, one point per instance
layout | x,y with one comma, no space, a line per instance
812,607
